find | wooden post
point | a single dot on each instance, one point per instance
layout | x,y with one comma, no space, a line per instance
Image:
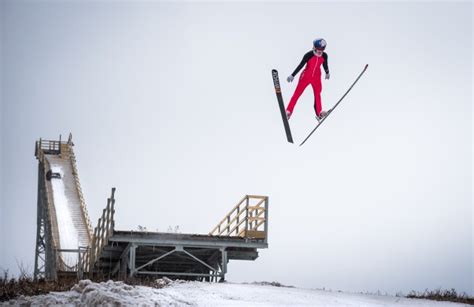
266,220
246,215
238,217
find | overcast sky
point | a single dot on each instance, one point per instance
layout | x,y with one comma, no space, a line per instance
173,104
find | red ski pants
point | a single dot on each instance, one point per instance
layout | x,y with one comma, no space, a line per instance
302,84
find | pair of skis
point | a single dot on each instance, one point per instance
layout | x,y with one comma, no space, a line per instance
276,83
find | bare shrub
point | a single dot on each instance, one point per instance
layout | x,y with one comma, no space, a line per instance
443,295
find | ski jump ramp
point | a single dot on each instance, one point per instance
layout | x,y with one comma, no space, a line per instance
67,245
64,230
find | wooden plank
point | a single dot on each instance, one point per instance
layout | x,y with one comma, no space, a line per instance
252,219
258,196
252,208
255,234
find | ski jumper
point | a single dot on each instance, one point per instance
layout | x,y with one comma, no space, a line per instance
310,75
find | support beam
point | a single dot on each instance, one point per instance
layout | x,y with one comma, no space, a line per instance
224,264
175,274
41,228
156,239
197,259
121,259
155,260
131,259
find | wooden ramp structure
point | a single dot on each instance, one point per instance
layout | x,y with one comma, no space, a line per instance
120,254
64,231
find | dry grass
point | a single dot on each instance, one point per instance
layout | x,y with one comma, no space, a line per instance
443,295
11,288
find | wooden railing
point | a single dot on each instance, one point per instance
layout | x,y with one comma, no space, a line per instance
48,147
102,233
39,154
247,219
85,213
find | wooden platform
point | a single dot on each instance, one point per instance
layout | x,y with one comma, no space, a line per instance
118,254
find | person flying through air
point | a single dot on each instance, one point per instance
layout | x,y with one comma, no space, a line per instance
311,75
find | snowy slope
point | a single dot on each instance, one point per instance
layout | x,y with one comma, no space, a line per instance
87,293
72,229
68,237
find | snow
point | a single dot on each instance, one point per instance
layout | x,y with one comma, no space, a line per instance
68,237
181,293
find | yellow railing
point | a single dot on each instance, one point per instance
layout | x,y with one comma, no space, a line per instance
247,219
102,233
85,213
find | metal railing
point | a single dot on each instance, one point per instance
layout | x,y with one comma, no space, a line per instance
80,254
247,219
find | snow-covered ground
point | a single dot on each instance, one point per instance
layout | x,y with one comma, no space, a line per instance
180,293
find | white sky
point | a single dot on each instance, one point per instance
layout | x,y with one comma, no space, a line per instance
174,105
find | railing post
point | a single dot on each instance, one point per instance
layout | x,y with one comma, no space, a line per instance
112,224
266,220
79,264
238,218
93,254
101,230
246,215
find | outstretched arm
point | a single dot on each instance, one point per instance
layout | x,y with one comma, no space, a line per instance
325,64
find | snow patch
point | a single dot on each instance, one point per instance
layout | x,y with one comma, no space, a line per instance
181,293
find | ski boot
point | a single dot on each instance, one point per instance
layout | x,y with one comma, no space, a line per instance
322,115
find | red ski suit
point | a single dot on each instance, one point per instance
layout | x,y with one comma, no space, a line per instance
310,75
